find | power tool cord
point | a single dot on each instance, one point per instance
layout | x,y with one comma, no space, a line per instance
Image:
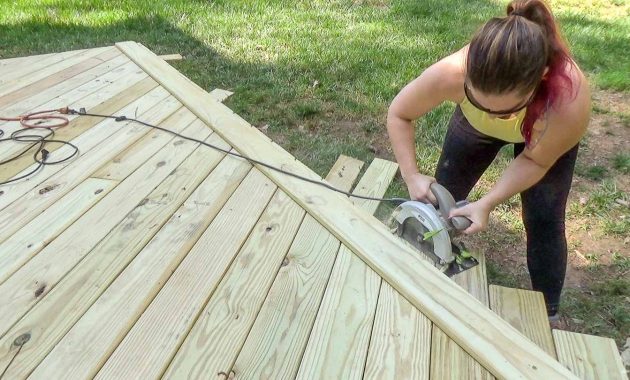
36,139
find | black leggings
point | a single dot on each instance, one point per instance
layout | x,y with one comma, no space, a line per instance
467,153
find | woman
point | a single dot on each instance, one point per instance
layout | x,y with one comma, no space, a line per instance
514,83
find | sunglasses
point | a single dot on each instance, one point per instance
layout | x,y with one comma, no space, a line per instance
506,112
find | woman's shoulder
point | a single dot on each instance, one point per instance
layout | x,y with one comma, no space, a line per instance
574,104
449,73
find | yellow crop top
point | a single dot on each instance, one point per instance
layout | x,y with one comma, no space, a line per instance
503,129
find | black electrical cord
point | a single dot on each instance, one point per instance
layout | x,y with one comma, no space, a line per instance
41,153
121,118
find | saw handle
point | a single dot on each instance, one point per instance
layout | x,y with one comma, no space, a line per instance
446,203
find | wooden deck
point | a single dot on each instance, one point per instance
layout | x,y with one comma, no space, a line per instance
150,256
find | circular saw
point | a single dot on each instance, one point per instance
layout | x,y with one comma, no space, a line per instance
430,230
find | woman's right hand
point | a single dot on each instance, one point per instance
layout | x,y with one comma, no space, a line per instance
419,187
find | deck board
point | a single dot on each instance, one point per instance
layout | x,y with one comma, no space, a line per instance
166,322
84,349
31,196
65,68
34,236
108,100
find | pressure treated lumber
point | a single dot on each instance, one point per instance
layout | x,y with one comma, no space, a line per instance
14,68
33,281
63,68
171,57
525,310
84,349
55,314
76,75
589,357
461,365
275,343
87,96
166,322
25,243
401,337
338,344
127,161
219,333
59,179
220,95
491,341
110,99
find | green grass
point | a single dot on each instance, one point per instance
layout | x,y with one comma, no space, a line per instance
621,162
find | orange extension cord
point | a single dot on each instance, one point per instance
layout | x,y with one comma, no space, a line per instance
41,115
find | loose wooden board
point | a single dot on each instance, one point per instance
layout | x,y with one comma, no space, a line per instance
525,310
589,357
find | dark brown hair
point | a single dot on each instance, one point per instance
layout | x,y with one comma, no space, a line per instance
510,54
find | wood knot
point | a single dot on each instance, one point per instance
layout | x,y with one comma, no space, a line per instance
98,191
40,290
285,261
47,189
1,192
178,142
30,245
268,229
22,339
143,202
161,163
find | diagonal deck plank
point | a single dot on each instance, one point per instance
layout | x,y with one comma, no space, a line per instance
110,99
165,323
64,66
14,68
312,250
84,349
55,314
338,344
68,78
224,323
34,236
27,202
33,281
88,95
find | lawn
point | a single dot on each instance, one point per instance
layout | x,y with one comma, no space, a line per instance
318,77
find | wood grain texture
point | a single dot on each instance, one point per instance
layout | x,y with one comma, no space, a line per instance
274,346
218,335
50,319
106,100
88,95
400,339
589,357
166,322
84,349
526,311
338,344
63,68
455,363
482,333
26,242
34,280
77,75
38,192
16,67
131,158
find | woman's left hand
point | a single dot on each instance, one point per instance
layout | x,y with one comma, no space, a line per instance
478,213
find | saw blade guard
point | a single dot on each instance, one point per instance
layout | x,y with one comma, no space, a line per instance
430,219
